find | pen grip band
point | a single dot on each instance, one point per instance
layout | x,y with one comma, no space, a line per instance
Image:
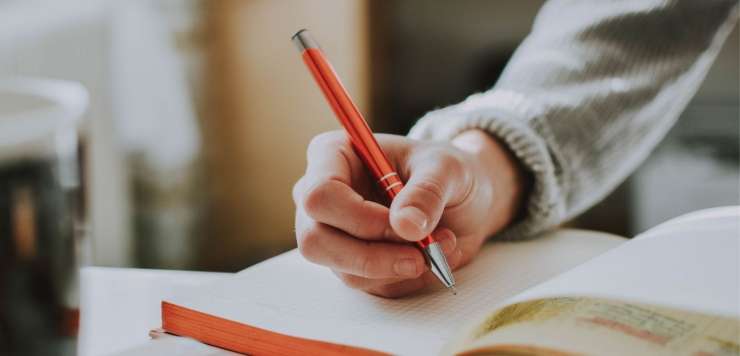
391,184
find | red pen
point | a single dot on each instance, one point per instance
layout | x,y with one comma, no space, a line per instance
364,142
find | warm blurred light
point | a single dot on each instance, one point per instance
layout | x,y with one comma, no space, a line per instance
23,221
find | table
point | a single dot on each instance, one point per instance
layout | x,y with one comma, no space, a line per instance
119,306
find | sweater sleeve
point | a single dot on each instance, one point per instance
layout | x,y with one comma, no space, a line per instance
588,94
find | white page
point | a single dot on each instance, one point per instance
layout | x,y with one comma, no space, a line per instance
691,263
294,297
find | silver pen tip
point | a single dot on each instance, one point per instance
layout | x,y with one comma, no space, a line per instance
438,264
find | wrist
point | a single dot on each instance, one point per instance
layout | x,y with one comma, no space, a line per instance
500,169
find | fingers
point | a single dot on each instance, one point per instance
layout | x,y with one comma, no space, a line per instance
467,249
400,288
337,227
381,268
403,288
435,182
335,203
328,192
396,287
325,245
327,158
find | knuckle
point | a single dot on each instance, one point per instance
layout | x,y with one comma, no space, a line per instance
444,160
315,197
365,225
441,159
450,163
431,189
325,140
339,261
352,281
308,241
317,141
373,225
297,190
388,233
386,291
357,227
367,266
468,251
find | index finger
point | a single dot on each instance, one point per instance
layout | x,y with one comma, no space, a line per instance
328,193
324,161
334,203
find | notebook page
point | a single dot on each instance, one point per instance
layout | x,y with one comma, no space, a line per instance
690,264
294,297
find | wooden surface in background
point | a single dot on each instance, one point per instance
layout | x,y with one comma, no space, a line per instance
262,108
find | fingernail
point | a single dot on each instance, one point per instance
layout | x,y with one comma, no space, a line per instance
415,216
448,243
406,267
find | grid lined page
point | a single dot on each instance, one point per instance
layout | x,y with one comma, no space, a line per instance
289,295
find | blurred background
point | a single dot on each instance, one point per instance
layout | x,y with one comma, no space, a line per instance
200,111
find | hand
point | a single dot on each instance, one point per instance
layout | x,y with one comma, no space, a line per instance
461,191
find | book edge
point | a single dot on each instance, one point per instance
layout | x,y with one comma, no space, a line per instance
231,335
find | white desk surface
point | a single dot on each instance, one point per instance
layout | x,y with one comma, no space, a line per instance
118,306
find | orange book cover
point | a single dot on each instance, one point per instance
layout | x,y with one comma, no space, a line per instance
246,339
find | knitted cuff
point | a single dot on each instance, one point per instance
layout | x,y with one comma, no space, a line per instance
511,118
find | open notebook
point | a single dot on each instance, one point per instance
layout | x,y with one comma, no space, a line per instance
685,271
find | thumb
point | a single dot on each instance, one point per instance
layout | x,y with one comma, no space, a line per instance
434,183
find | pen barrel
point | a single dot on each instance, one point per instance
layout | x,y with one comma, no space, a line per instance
349,116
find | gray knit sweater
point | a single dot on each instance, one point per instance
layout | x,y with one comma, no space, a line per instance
589,93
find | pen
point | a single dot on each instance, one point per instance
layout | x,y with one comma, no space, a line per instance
364,142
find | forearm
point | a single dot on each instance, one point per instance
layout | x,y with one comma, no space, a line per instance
589,93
